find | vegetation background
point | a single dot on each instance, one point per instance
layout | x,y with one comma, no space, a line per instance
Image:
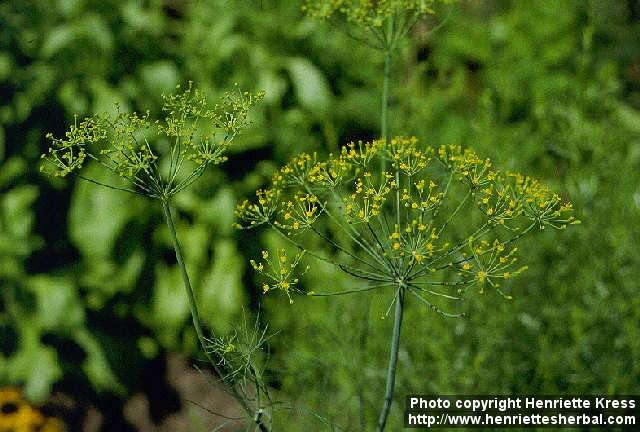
92,311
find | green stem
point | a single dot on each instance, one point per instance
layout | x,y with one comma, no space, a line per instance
384,114
364,335
388,51
393,360
195,316
386,84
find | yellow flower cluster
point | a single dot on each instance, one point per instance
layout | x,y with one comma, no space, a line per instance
427,199
305,170
540,204
127,154
119,142
279,271
407,156
69,154
16,415
329,174
468,165
394,224
367,199
416,240
261,211
194,124
502,198
300,213
361,154
490,262
296,172
498,203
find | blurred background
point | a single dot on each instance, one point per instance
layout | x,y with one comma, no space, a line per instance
94,324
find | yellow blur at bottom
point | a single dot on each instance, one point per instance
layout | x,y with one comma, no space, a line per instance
16,415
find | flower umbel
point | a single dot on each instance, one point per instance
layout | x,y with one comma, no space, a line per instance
192,136
402,228
280,272
374,16
129,144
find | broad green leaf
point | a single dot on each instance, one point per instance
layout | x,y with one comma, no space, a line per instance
169,305
33,364
98,215
96,365
221,295
58,302
309,83
159,77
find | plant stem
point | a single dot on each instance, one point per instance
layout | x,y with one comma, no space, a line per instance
364,335
385,134
393,360
195,316
388,51
384,113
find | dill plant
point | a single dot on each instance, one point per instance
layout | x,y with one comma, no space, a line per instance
398,230
381,25
158,159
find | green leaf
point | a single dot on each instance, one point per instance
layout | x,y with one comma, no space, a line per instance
16,204
107,277
57,39
310,85
96,365
12,168
218,212
33,364
159,77
221,295
98,215
58,303
169,305
1,142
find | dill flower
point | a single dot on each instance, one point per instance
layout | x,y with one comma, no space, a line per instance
396,227
373,16
280,272
194,134
261,211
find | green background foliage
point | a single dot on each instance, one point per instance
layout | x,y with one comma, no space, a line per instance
89,289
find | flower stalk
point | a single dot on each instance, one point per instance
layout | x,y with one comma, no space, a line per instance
193,305
386,84
401,231
199,136
393,359
257,416
400,243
